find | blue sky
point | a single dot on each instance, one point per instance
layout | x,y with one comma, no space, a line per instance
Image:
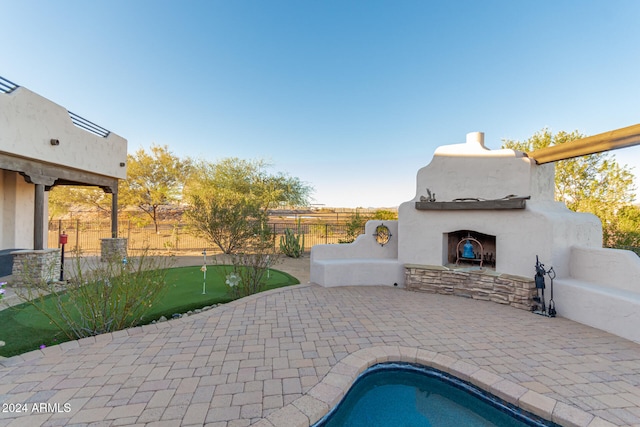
352,97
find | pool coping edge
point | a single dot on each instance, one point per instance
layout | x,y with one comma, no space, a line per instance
318,401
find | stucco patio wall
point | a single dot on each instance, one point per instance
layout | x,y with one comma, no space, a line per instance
362,262
603,291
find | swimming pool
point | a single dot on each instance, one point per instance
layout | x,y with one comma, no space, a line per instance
403,394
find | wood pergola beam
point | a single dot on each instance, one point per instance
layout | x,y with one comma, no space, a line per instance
45,176
607,141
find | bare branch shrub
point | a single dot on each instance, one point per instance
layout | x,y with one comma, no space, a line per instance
246,273
101,297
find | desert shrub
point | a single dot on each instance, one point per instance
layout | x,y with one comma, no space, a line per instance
104,297
246,272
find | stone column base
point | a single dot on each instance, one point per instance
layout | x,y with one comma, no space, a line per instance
113,249
35,266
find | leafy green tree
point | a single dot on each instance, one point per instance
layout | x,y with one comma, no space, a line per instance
59,203
383,214
229,200
154,179
627,228
595,183
228,220
62,198
250,177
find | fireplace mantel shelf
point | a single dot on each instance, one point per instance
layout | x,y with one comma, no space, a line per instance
498,204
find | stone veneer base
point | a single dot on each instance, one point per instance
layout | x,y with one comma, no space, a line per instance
32,266
486,285
114,249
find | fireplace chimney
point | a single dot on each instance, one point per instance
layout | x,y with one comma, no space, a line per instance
476,139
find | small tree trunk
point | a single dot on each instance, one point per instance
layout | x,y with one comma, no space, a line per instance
155,217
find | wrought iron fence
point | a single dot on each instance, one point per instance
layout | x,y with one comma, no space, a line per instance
173,237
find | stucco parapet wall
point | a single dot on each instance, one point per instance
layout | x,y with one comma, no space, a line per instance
30,122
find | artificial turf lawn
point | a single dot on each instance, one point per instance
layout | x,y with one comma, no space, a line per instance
24,328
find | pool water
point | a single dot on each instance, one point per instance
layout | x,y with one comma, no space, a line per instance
405,395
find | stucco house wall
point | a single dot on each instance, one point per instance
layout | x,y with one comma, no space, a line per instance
28,123
43,145
16,202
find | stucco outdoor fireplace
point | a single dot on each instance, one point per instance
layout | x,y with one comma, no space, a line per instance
502,203
477,222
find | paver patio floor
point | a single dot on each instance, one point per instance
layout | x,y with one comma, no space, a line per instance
281,358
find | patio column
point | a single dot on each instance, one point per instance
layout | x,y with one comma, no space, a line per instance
113,249
38,218
42,183
114,212
36,265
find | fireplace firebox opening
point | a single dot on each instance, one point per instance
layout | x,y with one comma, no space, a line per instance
467,248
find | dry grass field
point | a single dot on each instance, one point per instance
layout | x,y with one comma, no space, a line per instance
319,226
